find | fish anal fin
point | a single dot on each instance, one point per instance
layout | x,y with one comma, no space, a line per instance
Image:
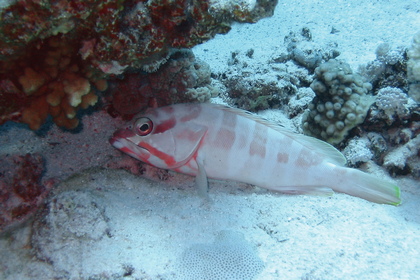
307,190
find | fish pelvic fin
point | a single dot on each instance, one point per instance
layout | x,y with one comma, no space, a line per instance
370,187
201,181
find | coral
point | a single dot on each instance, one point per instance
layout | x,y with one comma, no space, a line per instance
392,108
393,103
21,189
378,145
254,86
300,101
388,69
393,127
413,68
302,50
385,54
181,79
229,257
405,156
357,151
341,102
11,99
125,32
56,84
414,59
54,51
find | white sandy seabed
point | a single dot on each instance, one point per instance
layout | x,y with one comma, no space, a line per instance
112,225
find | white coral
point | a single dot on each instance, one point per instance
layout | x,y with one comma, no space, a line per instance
358,151
413,68
392,101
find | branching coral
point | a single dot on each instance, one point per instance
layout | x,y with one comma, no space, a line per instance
393,103
388,69
54,83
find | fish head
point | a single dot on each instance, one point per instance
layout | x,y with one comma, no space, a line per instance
159,137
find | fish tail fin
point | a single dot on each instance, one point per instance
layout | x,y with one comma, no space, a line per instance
369,187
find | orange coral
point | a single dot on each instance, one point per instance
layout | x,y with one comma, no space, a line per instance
31,81
58,86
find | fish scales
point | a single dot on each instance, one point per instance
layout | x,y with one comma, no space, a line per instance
214,141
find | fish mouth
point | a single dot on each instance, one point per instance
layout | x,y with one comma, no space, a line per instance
121,141
121,138
124,144
117,142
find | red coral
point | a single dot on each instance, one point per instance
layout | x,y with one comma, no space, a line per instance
167,86
132,94
125,31
21,189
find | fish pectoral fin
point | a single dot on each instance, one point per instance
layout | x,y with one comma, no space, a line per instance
201,181
308,190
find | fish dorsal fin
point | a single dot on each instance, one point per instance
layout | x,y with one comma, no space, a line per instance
321,147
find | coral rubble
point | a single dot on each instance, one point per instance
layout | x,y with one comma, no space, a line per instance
305,52
257,86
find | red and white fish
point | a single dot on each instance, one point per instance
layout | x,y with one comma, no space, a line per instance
206,140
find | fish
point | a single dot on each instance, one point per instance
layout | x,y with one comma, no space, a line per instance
219,142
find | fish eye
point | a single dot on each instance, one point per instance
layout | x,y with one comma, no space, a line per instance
143,126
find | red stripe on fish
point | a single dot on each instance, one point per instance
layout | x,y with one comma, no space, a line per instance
165,125
169,160
282,158
129,151
225,138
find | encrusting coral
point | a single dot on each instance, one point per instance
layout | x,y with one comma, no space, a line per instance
183,78
123,31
